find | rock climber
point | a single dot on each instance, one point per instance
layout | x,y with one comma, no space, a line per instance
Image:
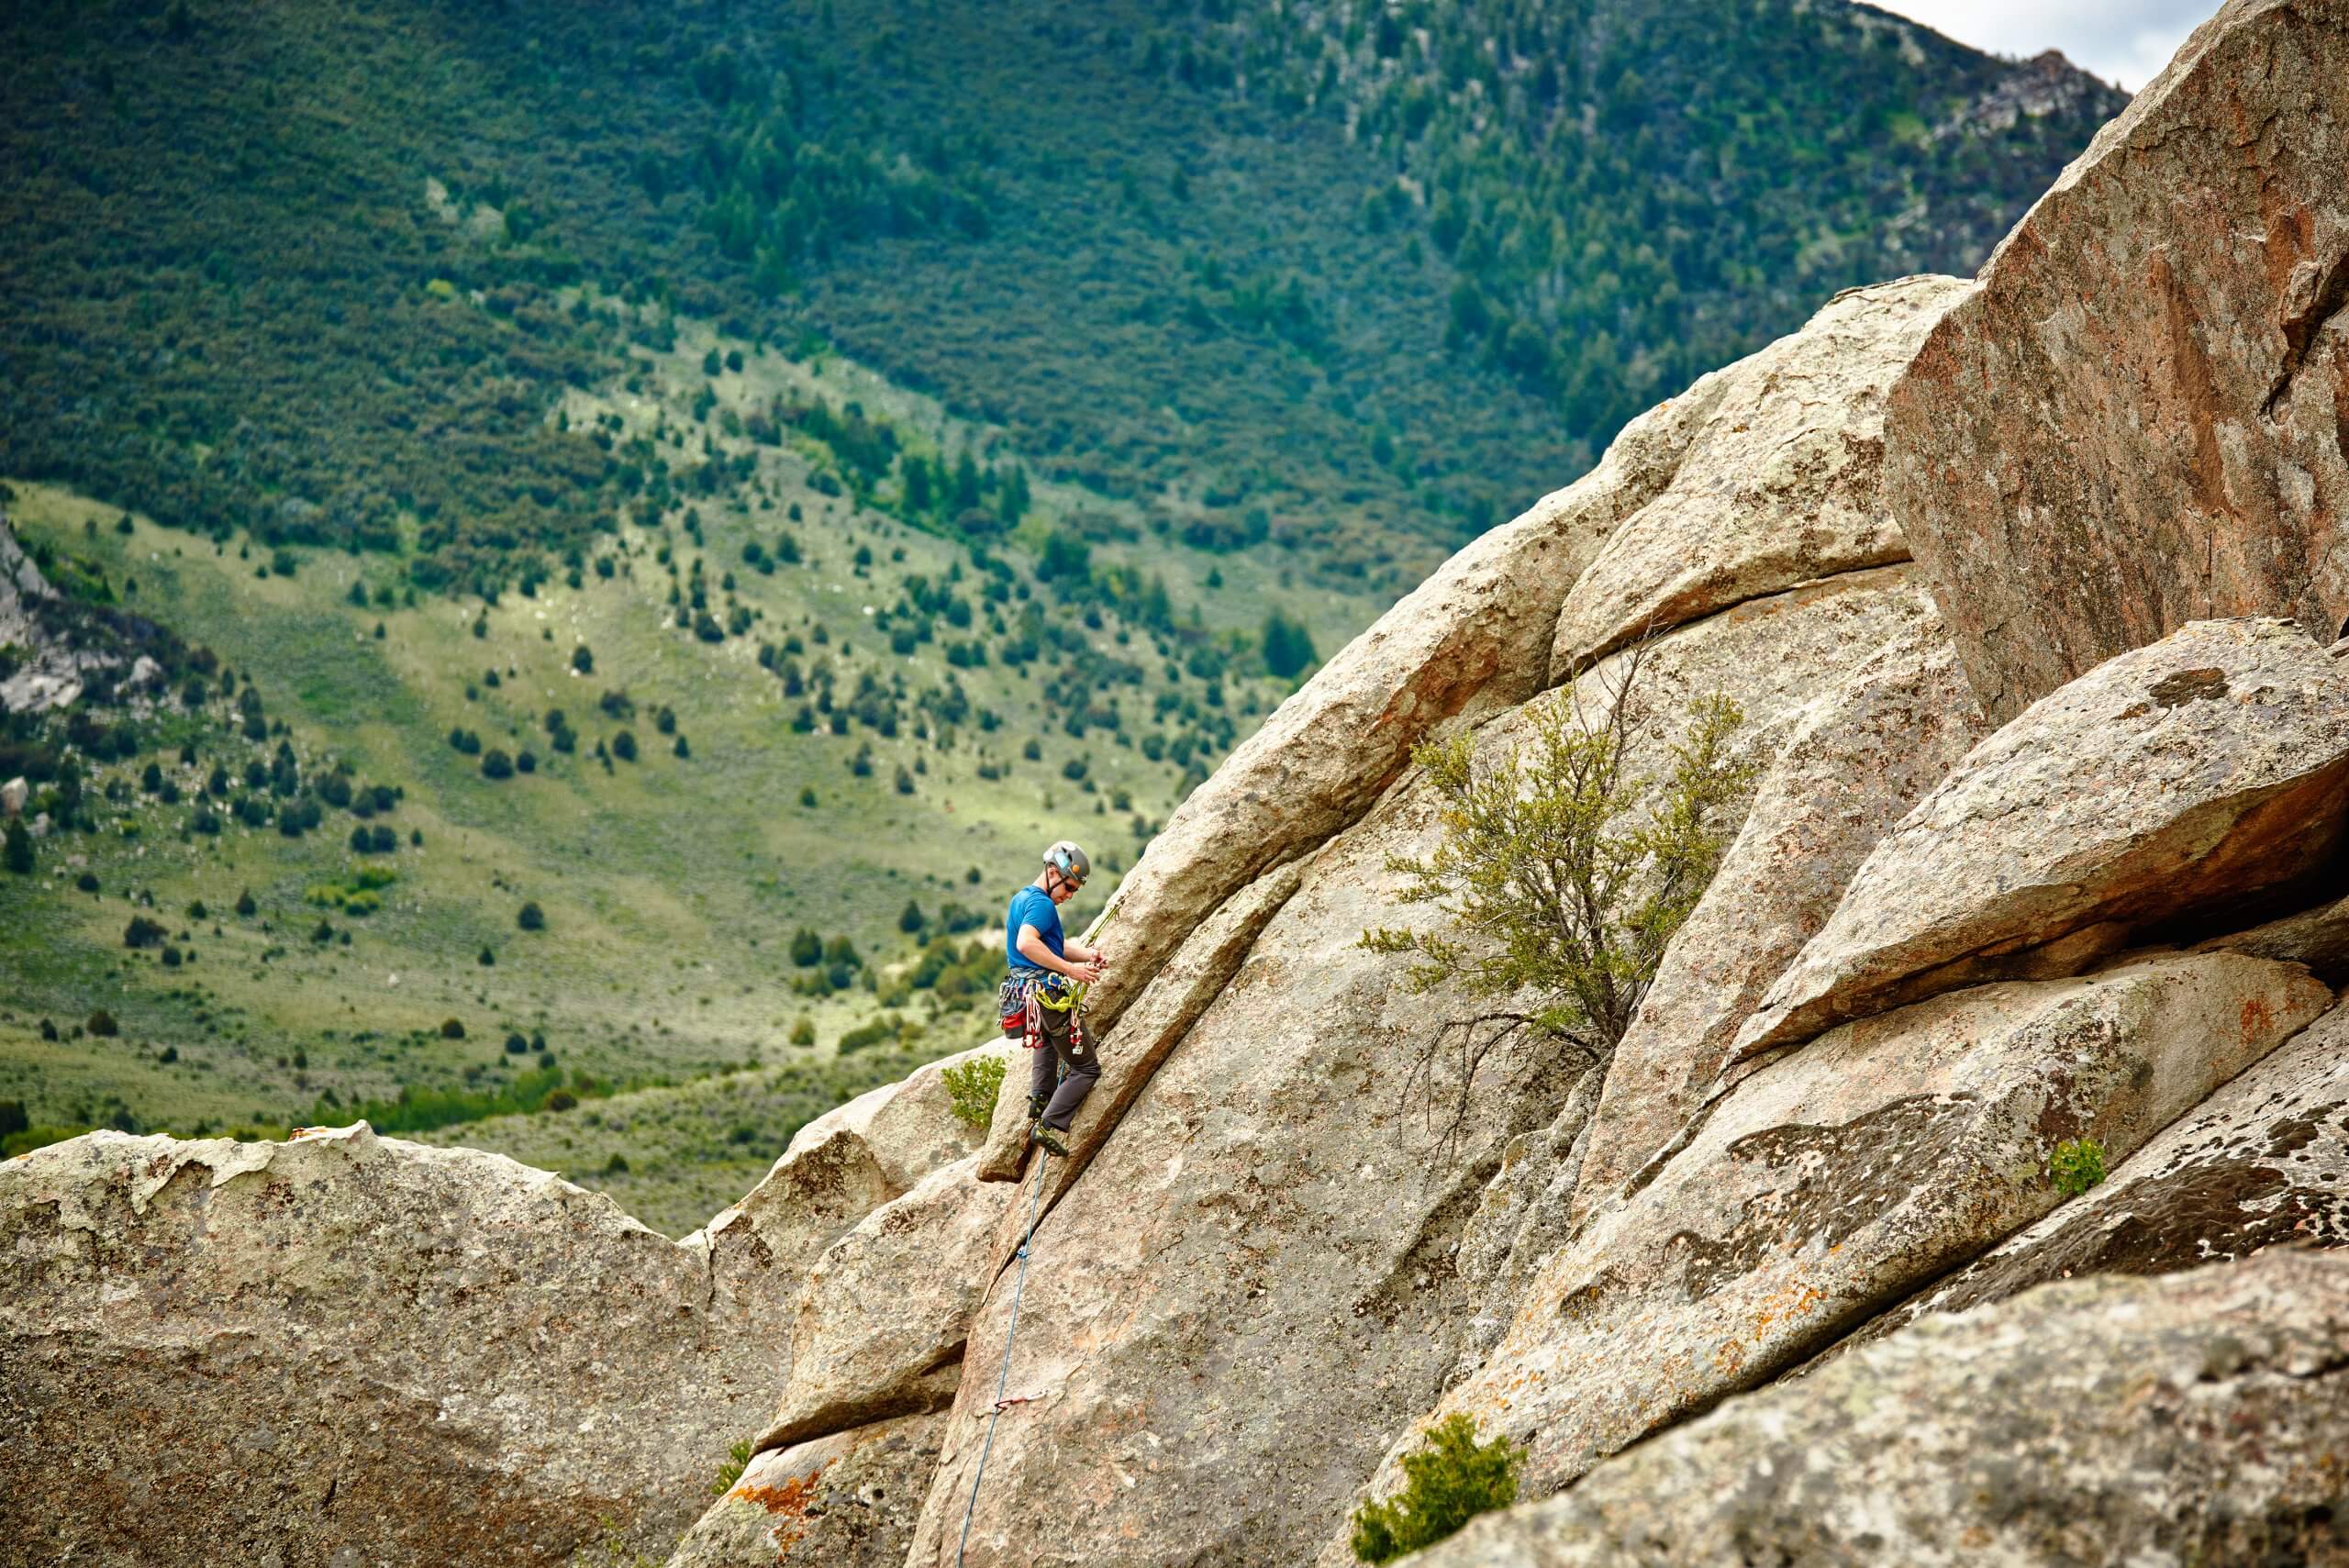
1048,974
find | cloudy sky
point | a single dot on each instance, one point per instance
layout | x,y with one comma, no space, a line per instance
2123,40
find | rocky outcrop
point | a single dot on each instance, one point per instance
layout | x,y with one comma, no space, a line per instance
843,1501
1778,487
2205,768
1271,1208
1467,643
1835,1180
836,1169
2136,422
878,1331
2198,1419
1858,756
1176,996
345,1342
1260,1251
2261,1163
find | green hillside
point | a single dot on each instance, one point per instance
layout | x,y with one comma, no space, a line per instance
650,516
786,712
1360,280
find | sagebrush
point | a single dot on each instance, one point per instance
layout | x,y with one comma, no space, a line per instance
1564,873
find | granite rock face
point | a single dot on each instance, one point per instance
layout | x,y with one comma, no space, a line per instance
1834,1181
843,1501
347,1343
2207,767
1781,484
2137,420
838,1169
1260,1251
1858,756
2203,1417
878,1331
2263,1163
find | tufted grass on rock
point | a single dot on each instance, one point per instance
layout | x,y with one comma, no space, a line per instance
1448,1480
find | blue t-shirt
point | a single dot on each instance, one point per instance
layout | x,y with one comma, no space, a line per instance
1032,906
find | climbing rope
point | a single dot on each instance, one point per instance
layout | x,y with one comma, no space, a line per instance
1034,1198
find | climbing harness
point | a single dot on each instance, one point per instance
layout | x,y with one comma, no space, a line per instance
1010,1335
1020,1000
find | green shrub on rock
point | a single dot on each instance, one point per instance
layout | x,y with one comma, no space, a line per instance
2077,1164
972,1087
1448,1480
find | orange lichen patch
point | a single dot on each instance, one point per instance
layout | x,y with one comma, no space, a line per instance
790,1499
2258,1018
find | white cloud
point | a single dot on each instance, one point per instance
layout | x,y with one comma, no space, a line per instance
2122,40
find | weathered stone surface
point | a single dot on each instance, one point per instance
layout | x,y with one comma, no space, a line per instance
2265,1161
1134,1050
1525,1214
2136,421
2203,1417
838,1169
843,1501
1260,1253
1469,642
215,1352
1858,756
888,1307
2204,768
1780,484
1267,1215
2318,938
1772,655
1836,1178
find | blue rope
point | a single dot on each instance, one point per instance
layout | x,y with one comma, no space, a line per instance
1035,1198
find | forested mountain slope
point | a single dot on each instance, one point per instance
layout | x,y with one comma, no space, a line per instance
1362,278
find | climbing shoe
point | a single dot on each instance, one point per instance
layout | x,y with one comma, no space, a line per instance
1036,1104
1049,1140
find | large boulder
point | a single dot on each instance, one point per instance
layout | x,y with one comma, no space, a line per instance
847,1500
2198,1419
836,1169
2263,1161
1780,484
222,1351
2136,421
1270,1214
1834,1181
879,1327
1260,1250
2205,768
1858,756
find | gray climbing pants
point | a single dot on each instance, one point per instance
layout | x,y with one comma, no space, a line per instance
1065,1073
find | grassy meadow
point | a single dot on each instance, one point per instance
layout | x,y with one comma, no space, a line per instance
702,816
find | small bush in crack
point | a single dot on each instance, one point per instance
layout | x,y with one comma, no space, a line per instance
738,1459
1565,872
972,1087
2076,1165
1448,1480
